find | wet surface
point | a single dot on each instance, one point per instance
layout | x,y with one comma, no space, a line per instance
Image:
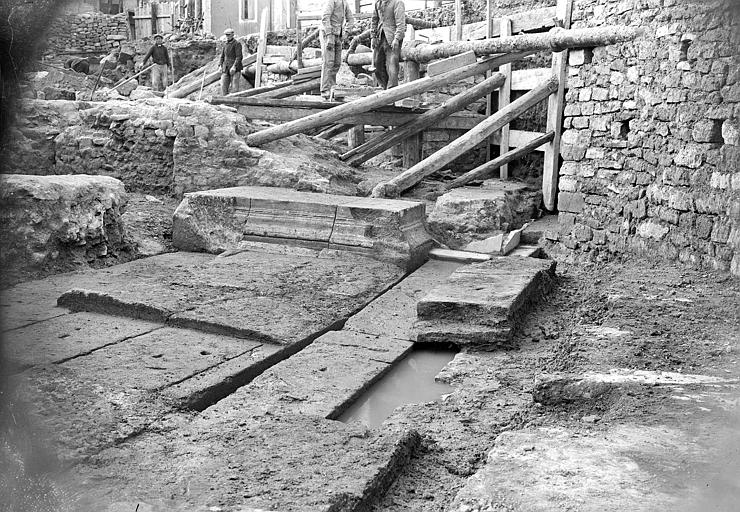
411,381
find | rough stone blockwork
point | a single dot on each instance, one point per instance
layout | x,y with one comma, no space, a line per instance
53,218
87,32
163,145
652,135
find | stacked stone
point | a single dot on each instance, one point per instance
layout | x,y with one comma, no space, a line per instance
651,147
88,32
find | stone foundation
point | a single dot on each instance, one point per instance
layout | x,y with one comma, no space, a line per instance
165,146
87,32
59,220
651,147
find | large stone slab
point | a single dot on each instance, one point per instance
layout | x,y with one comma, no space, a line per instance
289,463
228,219
275,298
60,220
478,304
68,336
470,213
323,379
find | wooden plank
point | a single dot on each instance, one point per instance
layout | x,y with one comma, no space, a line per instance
412,150
285,114
437,67
458,256
489,98
312,69
555,114
527,21
528,79
504,98
261,48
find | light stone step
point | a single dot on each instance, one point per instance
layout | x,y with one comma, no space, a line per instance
247,217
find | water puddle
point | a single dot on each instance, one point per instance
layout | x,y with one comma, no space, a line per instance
411,381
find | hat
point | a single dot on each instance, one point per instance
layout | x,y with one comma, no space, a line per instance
158,35
229,31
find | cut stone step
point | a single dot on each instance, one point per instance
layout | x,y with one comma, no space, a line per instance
240,217
480,303
461,333
487,292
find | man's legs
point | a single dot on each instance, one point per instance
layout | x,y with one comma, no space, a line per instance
225,83
328,75
393,60
235,80
156,78
164,73
379,56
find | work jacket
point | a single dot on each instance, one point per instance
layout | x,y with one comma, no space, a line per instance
389,18
336,12
231,55
159,55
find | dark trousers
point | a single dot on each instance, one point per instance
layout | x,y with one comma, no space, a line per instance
386,62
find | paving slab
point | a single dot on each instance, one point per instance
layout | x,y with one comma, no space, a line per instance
321,380
227,219
393,313
68,336
281,299
488,291
286,463
478,304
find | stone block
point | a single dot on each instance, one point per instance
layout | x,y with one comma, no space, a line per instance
234,218
570,202
691,156
707,130
462,213
731,132
62,219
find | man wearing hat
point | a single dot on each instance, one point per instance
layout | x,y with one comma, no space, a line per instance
161,59
230,63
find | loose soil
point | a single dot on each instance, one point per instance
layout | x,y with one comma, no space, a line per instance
637,314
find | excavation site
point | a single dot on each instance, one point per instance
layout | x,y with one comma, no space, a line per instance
370,256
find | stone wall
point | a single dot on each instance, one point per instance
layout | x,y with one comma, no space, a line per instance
651,146
87,32
166,146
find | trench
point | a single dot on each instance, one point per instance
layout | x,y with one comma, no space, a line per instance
410,381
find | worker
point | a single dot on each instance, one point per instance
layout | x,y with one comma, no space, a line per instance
161,58
230,63
387,30
336,14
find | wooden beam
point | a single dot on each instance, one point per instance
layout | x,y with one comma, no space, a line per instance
528,79
378,99
259,90
526,21
489,98
461,122
261,48
438,67
292,90
426,120
555,114
555,40
461,145
504,98
484,171
519,138
333,131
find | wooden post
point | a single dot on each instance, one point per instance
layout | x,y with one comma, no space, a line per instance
465,143
484,171
551,168
376,100
458,20
489,98
427,119
261,48
504,98
412,150
356,136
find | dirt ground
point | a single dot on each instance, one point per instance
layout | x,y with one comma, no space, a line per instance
636,314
